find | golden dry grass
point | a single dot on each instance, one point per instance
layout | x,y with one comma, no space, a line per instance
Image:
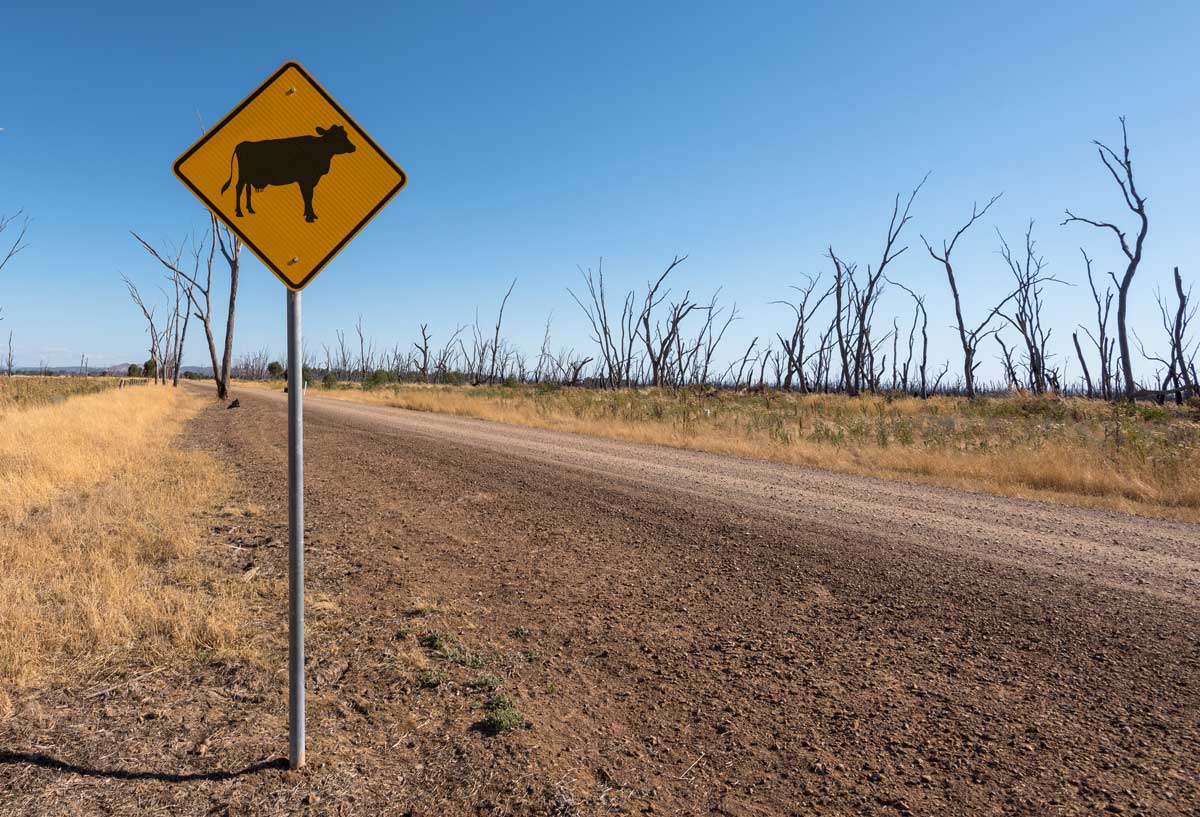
98,529
1140,459
25,391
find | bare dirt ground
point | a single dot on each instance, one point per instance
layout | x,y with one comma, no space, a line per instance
684,634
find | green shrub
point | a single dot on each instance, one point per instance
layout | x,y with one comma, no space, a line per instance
379,377
500,715
464,657
484,683
433,640
430,678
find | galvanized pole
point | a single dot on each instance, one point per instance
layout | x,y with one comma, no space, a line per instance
295,535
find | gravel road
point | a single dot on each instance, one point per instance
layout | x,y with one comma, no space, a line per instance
683,634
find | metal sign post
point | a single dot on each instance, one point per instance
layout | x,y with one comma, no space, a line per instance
290,150
295,534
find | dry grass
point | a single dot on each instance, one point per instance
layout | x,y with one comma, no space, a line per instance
97,524
25,391
1142,459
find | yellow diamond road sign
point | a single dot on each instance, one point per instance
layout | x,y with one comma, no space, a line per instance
292,174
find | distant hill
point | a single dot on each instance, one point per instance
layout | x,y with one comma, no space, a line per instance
117,370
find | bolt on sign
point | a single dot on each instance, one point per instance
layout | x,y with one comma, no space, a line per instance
292,174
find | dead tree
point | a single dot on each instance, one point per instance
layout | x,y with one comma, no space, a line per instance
937,381
444,358
18,243
1104,345
918,312
1136,203
872,288
843,282
180,318
1179,367
573,368
8,358
614,334
253,365
399,361
766,358
496,336
872,374
345,360
157,335
1026,313
745,362
709,338
778,362
366,352
1177,330
658,341
968,339
822,358
1087,377
1010,369
200,293
423,348
856,302
804,308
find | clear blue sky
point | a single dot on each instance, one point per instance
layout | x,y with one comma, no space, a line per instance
541,137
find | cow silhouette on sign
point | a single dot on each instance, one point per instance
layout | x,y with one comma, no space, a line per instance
301,160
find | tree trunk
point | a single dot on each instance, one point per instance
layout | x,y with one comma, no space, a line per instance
1087,378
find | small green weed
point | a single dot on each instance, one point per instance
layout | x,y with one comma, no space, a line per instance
501,715
431,678
484,683
434,640
464,657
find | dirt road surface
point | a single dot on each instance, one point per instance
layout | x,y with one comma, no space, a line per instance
683,634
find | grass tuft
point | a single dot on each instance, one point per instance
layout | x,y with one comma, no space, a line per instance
435,640
431,678
483,683
500,715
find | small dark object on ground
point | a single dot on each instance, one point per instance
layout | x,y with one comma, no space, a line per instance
234,404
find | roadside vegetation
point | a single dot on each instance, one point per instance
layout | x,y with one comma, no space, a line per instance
849,380
97,531
25,391
1134,457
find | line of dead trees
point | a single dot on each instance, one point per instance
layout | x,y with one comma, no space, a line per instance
665,335
833,345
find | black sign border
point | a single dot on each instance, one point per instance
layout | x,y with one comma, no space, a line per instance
232,226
